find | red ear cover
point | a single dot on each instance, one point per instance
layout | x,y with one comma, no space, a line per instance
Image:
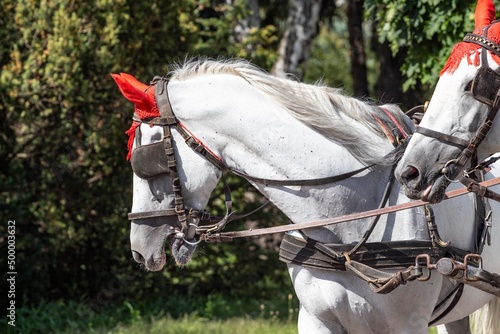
485,13
134,82
133,90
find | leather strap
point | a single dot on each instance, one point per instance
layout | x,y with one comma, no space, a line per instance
479,189
380,281
151,214
483,42
461,143
304,182
229,236
197,146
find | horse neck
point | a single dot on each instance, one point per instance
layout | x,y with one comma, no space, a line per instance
254,134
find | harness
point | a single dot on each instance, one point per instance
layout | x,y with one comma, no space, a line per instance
163,154
360,258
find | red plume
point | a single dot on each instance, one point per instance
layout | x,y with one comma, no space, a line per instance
485,13
133,90
134,82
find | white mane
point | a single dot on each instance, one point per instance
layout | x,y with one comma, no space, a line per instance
327,110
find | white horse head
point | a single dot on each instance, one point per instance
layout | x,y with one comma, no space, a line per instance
465,94
154,194
270,128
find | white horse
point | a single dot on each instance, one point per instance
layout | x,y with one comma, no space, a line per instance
279,129
457,108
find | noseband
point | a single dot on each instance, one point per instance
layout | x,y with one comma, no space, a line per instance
485,88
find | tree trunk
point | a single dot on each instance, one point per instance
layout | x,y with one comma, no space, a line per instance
242,29
388,88
295,46
356,43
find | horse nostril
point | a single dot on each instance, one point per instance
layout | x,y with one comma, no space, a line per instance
410,173
138,257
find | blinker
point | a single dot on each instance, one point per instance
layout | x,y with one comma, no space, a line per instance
486,85
150,160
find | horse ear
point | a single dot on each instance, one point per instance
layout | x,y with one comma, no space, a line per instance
485,13
134,82
133,90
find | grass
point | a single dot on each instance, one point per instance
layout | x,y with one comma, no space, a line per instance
211,315
194,325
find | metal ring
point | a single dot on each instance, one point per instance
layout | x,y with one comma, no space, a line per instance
445,170
192,243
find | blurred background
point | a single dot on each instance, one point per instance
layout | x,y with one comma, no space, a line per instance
64,179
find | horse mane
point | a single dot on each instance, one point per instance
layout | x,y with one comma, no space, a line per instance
327,110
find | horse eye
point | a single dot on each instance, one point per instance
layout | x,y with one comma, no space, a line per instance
468,86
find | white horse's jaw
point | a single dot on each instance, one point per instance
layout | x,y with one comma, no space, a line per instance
182,252
148,240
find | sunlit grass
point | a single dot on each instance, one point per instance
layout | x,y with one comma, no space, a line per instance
72,317
194,325
211,314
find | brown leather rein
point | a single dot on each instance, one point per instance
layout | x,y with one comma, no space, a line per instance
229,236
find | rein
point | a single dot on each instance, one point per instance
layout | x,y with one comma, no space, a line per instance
229,236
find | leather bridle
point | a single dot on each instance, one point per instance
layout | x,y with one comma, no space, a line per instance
486,89
163,154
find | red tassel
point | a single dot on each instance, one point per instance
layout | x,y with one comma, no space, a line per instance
134,92
131,136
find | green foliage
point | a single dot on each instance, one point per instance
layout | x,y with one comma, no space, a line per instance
64,178
207,27
329,58
423,32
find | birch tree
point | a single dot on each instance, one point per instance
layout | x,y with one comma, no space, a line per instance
295,46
